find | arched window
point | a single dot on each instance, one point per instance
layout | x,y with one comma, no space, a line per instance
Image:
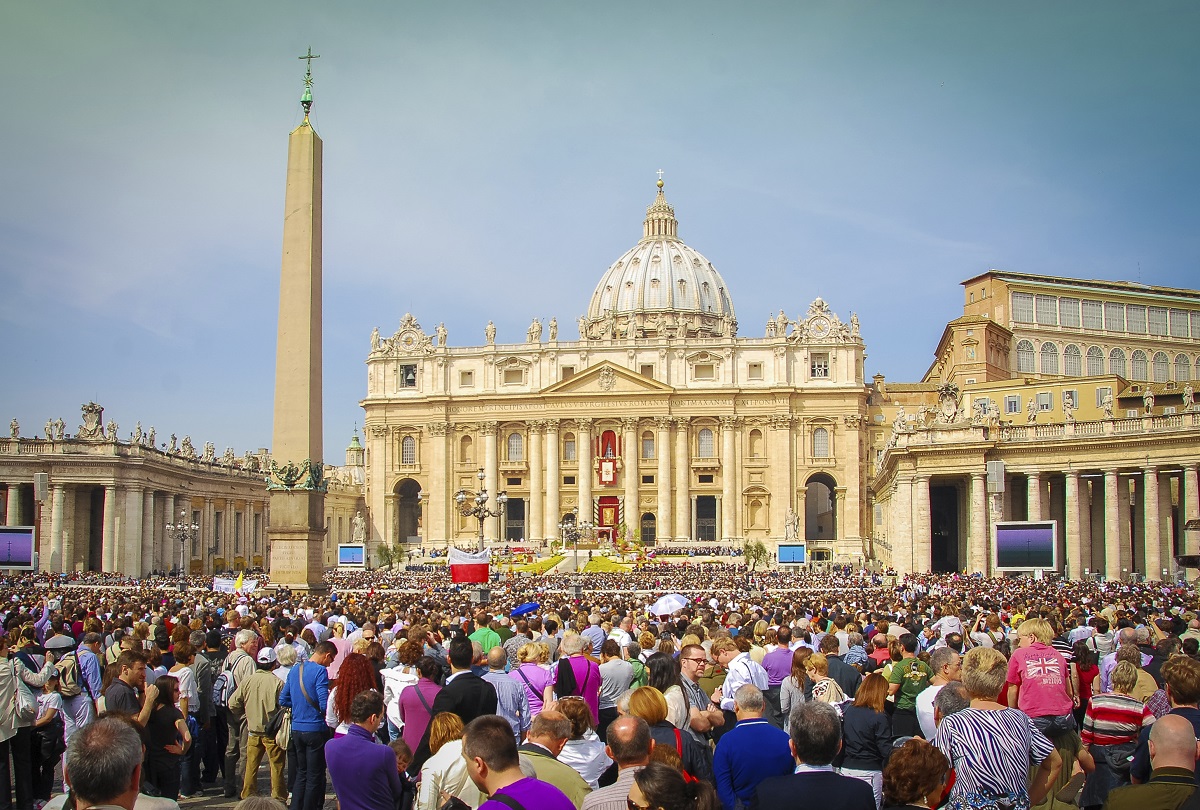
755,513
516,447
1025,357
1095,361
1139,367
1072,361
568,447
648,444
1116,362
704,442
756,443
820,443
1162,367
1049,358
1183,368
408,450
465,452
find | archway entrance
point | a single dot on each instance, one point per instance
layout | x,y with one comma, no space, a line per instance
407,522
514,520
820,513
649,529
943,523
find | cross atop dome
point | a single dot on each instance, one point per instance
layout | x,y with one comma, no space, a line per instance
660,222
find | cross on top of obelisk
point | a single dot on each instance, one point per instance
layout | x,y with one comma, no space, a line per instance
660,174
306,99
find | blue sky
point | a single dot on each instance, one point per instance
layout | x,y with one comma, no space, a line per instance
488,160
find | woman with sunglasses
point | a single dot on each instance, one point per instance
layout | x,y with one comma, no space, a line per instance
661,787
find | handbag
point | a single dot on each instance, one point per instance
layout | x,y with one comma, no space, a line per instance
279,726
26,703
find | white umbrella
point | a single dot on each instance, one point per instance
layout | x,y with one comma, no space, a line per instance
666,605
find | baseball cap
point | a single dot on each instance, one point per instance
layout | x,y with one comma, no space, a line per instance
267,655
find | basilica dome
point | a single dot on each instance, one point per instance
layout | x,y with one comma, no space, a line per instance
659,288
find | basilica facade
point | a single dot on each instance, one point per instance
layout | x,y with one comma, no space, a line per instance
659,423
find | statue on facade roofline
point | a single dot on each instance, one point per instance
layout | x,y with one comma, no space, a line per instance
137,434
441,334
375,339
489,332
49,428
14,428
150,437
112,430
360,528
1107,404
187,448
854,330
554,329
1031,411
1148,400
1189,397
173,447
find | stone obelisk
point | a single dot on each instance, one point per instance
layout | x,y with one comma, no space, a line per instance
296,529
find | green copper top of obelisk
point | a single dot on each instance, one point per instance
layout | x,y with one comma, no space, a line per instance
306,100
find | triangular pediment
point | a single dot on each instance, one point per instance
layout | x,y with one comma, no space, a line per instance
608,378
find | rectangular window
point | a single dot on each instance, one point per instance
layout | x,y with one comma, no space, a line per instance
1179,323
512,482
1093,315
1135,319
819,365
648,447
1131,413
1044,401
647,370
1047,310
704,371
754,371
1102,394
705,479
1158,321
1068,312
568,450
568,480
1168,410
984,404
1012,404
513,376
406,376
647,479
1022,307
466,379
878,514
1195,325
1114,317
566,372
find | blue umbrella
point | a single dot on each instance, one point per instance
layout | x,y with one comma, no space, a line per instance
528,607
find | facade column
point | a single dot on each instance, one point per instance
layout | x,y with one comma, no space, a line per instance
977,540
1035,485
491,478
1165,528
553,479
13,516
633,510
780,472
1125,524
901,535
435,512
108,537
1113,542
1189,503
583,452
537,488
57,499
922,528
684,519
1074,537
1150,521
728,524
662,449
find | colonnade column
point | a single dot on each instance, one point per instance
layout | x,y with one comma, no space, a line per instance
130,562
662,449
922,528
583,451
977,540
629,427
553,478
683,479
1189,501
901,535
57,498
1150,523
169,553
435,511
1033,495
780,471
1166,541
1113,552
108,538
1074,535
537,493
491,475
13,517
729,529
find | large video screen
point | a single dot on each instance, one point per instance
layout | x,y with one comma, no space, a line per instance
352,556
1026,545
793,554
16,547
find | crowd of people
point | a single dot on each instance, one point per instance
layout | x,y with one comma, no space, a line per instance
771,689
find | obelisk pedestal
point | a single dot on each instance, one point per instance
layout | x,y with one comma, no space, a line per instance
296,528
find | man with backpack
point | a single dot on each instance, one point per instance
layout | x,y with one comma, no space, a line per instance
79,684
238,668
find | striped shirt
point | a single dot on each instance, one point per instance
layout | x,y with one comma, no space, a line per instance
1112,719
991,751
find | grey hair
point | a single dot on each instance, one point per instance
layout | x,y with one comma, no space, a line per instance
101,759
196,639
286,654
243,637
816,732
573,644
854,639
941,657
259,803
951,698
623,702
749,698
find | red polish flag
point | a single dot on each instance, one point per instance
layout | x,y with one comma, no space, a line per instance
469,566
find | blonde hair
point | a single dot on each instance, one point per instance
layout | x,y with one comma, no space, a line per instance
1038,628
818,663
535,652
649,704
1124,677
723,645
444,727
984,672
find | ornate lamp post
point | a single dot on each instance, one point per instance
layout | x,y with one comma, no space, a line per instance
475,504
572,530
183,533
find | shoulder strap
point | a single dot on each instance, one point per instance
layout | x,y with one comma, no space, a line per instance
421,697
507,800
303,691
525,678
679,743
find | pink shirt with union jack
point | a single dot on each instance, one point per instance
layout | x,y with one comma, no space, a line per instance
1040,672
